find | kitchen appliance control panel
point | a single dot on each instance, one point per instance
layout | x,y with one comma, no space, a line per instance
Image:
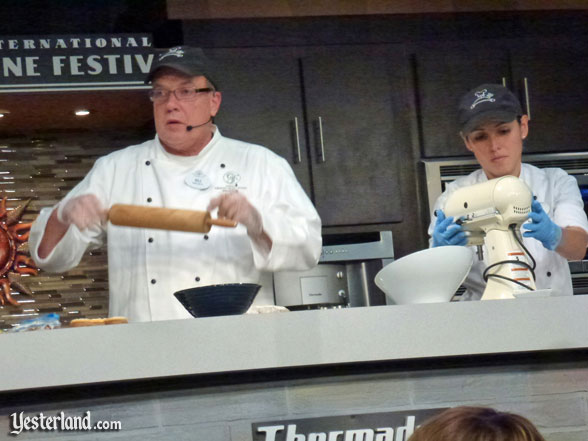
360,246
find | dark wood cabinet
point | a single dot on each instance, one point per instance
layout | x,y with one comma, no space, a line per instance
444,72
547,75
336,115
288,73
262,104
550,78
354,144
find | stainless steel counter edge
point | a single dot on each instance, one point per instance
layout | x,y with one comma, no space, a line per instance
76,356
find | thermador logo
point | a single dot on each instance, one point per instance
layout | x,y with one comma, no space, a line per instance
379,434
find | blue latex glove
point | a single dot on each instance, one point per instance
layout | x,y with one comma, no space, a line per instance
542,227
447,232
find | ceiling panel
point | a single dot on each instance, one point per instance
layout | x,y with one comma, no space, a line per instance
28,112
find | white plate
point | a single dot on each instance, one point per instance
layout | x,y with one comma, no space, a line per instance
536,293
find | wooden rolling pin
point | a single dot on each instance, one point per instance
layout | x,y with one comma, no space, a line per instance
165,218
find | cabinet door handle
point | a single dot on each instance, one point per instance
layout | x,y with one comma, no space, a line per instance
320,121
298,157
527,101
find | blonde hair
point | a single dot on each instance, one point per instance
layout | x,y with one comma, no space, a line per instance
466,423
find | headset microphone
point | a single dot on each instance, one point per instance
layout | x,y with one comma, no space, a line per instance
188,128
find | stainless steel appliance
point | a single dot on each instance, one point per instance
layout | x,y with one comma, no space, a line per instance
344,276
440,172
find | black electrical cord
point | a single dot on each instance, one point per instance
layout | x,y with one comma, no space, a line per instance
486,276
518,239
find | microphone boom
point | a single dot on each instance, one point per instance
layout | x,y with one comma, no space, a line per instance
189,128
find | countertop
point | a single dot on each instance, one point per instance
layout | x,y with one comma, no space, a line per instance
90,355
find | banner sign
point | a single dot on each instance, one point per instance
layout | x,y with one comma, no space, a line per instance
74,62
388,426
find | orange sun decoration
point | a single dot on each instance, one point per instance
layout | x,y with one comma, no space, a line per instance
13,245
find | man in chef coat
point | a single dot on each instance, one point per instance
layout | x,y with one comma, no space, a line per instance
493,127
188,165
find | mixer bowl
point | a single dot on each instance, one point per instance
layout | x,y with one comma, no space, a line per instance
215,300
428,276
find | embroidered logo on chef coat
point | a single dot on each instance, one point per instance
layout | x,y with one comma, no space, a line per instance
173,52
232,180
482,96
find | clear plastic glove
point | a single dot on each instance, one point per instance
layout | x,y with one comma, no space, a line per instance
82,211
447,232
542,227
235,206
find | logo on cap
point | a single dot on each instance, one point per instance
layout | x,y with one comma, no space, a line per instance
482,96
173,52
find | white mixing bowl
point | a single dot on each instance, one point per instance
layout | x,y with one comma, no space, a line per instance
428,276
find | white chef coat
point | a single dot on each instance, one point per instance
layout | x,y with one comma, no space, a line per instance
147,266
560,197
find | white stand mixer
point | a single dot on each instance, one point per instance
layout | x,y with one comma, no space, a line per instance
491,213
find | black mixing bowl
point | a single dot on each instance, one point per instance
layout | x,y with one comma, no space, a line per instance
214,300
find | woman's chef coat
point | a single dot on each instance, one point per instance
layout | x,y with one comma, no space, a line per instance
146,266
560,197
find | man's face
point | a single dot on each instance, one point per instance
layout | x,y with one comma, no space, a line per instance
498,146
172,116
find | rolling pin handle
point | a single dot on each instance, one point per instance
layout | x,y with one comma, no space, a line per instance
222,222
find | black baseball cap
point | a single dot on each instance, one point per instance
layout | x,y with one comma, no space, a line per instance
487,102
186,59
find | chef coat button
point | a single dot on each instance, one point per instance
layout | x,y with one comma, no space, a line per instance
548,273
153,281
150,240
197,279
147,162
206,237
222,165
149,199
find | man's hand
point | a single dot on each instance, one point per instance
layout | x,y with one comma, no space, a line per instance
82,211
542,227
447,232
235,206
